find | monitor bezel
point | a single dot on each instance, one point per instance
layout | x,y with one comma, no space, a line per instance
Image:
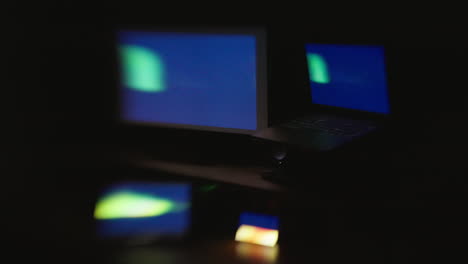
261,79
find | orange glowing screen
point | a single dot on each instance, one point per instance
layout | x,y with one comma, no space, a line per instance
257,235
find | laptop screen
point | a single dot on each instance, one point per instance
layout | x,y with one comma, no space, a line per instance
348,76
198,80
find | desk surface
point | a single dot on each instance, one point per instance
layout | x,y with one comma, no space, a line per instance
243,176
420,217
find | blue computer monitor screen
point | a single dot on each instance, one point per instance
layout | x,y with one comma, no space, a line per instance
348,76
201,80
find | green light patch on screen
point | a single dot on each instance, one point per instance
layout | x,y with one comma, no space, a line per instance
318,70
142,69
132,205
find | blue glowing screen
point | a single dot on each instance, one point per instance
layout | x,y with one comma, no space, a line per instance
198,79
348,76
259,220
150,209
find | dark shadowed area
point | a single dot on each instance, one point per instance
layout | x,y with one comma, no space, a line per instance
398,197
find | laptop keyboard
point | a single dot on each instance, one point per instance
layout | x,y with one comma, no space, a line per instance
332,126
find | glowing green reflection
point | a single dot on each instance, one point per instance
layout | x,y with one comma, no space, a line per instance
207,188
131,205
318,71
142,69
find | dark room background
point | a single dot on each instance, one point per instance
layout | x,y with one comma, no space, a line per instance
60,134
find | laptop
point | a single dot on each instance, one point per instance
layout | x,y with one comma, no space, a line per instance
349,97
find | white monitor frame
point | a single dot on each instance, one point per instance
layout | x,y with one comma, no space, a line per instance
261,78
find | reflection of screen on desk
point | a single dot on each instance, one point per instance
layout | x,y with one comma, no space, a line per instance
191,80
144,208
